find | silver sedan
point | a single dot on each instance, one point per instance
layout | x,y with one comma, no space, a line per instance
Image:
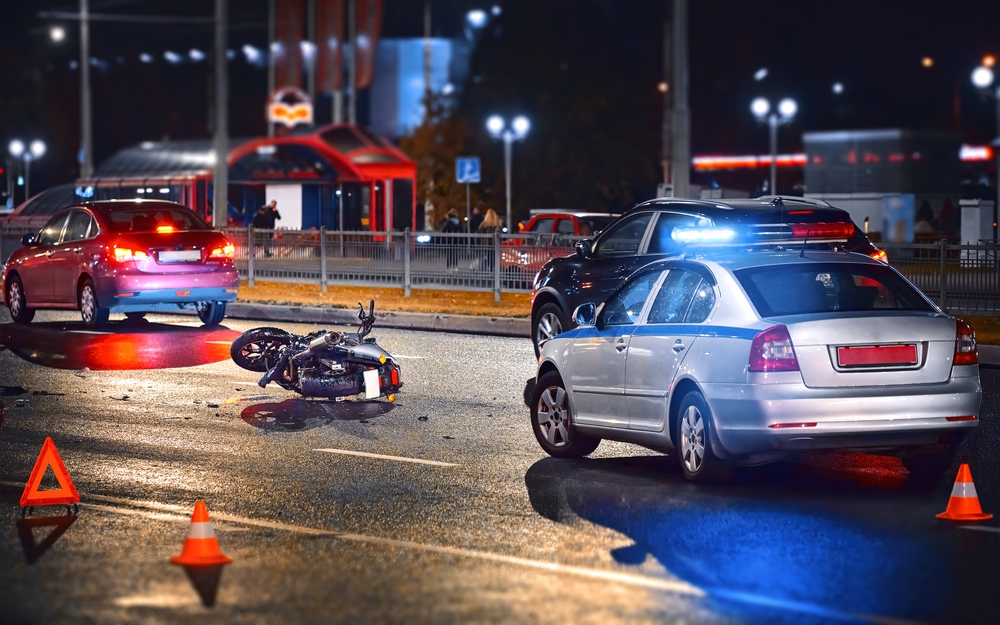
745,358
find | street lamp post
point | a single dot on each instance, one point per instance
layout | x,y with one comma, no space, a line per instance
34,151
761,109
498,129
983,79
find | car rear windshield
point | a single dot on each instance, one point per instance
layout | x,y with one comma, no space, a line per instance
811,288
150,219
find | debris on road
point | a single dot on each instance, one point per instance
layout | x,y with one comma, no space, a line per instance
211,405
122,398
82,373
423,418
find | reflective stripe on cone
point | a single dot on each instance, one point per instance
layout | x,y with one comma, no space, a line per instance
963,505
201,548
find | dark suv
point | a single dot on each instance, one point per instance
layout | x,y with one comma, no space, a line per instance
643,234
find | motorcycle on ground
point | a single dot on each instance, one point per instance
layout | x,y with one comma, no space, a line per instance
322,364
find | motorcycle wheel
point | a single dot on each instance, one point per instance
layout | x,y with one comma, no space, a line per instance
249,348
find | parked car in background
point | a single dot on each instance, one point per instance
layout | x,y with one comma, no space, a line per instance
643,234
127,257
548,234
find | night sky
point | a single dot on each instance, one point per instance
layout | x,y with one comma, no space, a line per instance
585,71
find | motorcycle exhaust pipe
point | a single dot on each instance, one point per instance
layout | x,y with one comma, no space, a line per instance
332,386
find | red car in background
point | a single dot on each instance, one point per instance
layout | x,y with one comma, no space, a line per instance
548,234
127,257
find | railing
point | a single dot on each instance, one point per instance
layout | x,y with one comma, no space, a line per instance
962,279
407,260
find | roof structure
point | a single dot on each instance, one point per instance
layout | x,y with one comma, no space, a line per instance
162,159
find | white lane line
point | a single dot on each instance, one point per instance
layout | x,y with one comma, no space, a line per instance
398,357
981,528
678,587
86,332
381,457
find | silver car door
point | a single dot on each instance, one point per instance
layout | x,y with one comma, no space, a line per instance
599,353
660,344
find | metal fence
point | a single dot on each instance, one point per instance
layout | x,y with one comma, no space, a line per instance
962,279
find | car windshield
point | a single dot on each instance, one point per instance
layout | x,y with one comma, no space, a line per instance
152,219
812,288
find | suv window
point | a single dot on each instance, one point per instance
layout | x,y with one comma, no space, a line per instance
624,238
661,241
79,226
542,225
566,226
683,297
625,307
52,230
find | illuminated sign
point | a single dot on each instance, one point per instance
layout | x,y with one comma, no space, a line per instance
289,106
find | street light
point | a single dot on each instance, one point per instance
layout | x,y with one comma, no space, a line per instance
27,154
57,33
983,79
518,130
761,109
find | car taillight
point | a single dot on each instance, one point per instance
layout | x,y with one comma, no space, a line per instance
822,230
226,251
772,350
880,256
123,254
966,352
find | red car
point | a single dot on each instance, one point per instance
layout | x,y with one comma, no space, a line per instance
544,237
127,257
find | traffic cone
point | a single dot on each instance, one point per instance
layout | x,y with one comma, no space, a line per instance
201,548
964,503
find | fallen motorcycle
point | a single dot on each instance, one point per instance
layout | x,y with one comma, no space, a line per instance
322,364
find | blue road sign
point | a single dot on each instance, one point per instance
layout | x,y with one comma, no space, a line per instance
467,169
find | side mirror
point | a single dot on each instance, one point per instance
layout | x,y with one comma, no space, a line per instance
585,315
28,239
583,248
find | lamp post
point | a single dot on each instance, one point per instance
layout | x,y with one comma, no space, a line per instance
984,79
498,129
761,109
34,151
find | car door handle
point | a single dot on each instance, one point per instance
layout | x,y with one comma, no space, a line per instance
621,344
679,346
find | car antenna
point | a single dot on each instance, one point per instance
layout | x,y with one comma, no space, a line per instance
802,254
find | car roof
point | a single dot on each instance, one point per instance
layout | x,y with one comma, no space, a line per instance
562,213
137,203
766,209
733,259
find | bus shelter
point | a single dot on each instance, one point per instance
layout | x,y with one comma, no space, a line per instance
342,177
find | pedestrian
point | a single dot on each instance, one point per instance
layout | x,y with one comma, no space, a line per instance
490,224
475,220
265,219
451,225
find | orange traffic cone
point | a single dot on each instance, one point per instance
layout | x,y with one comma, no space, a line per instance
201,548
964,503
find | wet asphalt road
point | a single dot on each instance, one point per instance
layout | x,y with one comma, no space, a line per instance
491,531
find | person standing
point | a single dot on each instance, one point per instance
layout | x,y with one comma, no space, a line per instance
475,220
490,224
451,225
265,219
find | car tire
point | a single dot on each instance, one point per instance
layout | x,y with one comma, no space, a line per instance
548,323
211,313
552,422
930,468
247,349
90,309
693,435
18,306
134,317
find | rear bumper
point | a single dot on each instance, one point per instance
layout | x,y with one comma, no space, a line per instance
133,291
848,418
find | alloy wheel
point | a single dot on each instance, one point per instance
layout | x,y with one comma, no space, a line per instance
548,328
553,416
14,298
88,304
692,439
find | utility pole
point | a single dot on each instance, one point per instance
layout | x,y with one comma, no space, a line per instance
427,47
271,34
220,213
86,136
352,26
668,110
680,152
311,75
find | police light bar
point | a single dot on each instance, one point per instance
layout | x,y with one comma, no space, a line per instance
764,234
703,235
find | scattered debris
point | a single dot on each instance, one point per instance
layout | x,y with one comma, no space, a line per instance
187,418
21,403
14,390
47,393
122,398
82,373
450,438
197,401
211,405
489,414
423,418
364,421
239,389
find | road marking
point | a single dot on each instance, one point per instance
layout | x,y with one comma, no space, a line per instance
87,332
981,528
382,457
398,357
158,509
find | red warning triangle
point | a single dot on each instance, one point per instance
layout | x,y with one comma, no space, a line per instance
49,457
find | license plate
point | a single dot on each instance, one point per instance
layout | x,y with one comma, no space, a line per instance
372,389
870,355
179,256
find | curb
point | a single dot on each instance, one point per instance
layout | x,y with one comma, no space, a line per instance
430,322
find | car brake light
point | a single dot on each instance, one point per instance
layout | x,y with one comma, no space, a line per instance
772,350
394,376
966,352
226,251
123,255
880,256
164,229
822,230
